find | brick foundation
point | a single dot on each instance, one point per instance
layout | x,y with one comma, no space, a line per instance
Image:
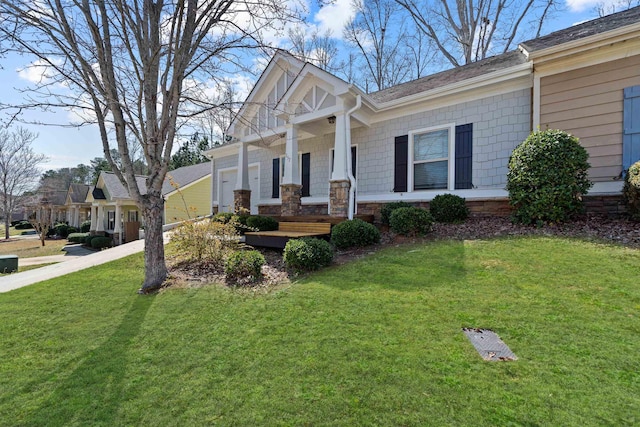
290,195
241,200
339,196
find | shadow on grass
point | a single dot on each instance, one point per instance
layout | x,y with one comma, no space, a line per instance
93,393
404,268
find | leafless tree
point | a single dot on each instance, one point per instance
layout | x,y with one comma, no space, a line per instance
378,33
320,49
19,169
214,122
466,31
607,8
125,65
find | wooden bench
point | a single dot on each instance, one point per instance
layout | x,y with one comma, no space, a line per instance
286,231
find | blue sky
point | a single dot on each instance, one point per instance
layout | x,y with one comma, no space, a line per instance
67,147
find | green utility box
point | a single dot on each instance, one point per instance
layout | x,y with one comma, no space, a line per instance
8,263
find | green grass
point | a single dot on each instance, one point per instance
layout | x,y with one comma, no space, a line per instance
375,342
28,267
29,248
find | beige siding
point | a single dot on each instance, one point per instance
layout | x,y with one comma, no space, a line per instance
588,104
189,202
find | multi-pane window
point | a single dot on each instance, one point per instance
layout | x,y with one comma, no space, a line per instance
111,220
431,160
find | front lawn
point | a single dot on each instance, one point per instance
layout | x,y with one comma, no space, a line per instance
29,248
374,342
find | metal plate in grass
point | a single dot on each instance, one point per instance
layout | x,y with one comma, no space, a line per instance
489,344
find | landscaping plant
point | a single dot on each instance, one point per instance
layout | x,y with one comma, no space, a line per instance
387,209
448,208
206,240
411,221
261,223
631,191
307,254
547,177
354,233
241,267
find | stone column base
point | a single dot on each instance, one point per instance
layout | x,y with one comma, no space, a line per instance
339,198
290,194
116,239
241,201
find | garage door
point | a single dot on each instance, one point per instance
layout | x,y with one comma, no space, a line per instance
228,184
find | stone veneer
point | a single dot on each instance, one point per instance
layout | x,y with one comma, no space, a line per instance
339,196
290,194
241,200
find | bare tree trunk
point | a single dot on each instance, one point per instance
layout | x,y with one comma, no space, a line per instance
7,224
155,269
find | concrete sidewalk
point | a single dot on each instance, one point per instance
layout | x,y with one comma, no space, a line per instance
76,263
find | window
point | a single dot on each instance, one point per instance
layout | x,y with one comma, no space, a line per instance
277,173
111,220
430,159
133,216
354,161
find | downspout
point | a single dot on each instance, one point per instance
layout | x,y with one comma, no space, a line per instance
352,179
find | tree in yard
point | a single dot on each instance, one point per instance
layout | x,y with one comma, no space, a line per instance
125,66
466,31
19,164
317,48
190,152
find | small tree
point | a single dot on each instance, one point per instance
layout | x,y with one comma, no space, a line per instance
547,177
18,167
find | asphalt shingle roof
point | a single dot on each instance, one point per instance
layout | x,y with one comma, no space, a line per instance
118,191
185,175
585,29
488,65
78,192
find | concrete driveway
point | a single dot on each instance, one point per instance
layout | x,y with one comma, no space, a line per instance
77,259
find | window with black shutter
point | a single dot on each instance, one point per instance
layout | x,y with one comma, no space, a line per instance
464,156
401,154
306,174
275,179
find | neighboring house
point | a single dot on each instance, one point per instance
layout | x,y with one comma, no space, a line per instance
187,193
306,142
76,204
113,211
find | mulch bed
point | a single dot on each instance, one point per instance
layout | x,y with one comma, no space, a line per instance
607,230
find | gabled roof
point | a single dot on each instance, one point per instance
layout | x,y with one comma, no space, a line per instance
55,198
185,176
444,78
585,29
114,187
77,193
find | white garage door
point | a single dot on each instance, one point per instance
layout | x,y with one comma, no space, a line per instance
228,184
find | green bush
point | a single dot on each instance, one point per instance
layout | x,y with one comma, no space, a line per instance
23,225
307,253
244,266
87,240
85,227
354,233
223,217
547,177
101,242
631,191
238,221
448,208
411,221
77,237
385,212
261,223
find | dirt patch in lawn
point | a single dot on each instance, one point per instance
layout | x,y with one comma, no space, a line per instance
275,274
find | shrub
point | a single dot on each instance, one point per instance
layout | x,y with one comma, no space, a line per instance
352,233
385,212
244,266
448,208
307,253
101,242
411,221
85,227
238,221
631,191
87,240
77,237
261,223
547,177
23,225
223,217
206,240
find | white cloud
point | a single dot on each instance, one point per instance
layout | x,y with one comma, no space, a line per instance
335,16
582,5
38,72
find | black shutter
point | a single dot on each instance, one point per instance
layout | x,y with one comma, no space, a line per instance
464,156
400,159
354,152
306,174
275,179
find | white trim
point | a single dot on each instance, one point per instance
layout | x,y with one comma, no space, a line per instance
216,203
606,188
424,195
451,127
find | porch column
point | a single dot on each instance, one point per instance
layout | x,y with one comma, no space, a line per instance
339,184
100,221
242,192
76,216
291,189
117,228
94,220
